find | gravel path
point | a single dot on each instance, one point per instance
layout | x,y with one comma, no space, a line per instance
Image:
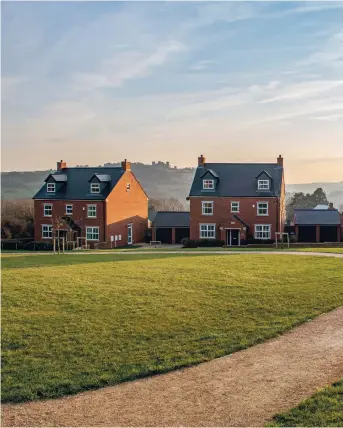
221,252
244,389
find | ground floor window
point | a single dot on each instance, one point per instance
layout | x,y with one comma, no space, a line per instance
262,231
92,233
207,231
46,231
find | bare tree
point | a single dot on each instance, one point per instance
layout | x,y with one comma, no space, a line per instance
166,204
17,219
340,208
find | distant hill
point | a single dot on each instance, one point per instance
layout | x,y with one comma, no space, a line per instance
159,180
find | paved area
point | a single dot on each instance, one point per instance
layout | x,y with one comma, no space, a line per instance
244,389
156,251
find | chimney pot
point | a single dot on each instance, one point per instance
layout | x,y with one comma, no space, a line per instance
126,165
331,206
61,164
201,160
280,160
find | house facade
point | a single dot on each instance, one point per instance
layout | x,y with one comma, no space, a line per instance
236,202
97,205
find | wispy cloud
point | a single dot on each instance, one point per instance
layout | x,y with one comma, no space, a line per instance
127,66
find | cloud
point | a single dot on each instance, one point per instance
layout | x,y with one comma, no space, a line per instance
202,65
304,90
128,66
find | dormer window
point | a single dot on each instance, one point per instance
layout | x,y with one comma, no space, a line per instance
95,188
208,184
50,187
263,184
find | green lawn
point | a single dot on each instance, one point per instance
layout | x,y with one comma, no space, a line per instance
324,409
78,322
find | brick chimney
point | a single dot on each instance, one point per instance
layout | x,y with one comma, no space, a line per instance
61,164
126,165
331,206
201,160
280,160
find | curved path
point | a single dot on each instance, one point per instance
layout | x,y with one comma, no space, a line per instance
244,389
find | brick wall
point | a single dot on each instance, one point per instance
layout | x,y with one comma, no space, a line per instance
125,207
79,216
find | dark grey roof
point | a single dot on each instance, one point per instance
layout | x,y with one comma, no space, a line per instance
238,179
172,219
102,177
210,171
77,185
311,216
57,177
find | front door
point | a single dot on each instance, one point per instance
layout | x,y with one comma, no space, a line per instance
232,237
129,234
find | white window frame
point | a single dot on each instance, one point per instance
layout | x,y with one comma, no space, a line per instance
90,231
238,207
48,230
50,209
90,207
68,206
50,187
263,184
128,187
93,186
258,209
204,208
263,233
204,231
208,184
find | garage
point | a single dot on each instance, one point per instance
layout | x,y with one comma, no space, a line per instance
307,234
170,227
164,234
317,225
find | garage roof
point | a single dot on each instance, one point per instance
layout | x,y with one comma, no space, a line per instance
172,219
310,216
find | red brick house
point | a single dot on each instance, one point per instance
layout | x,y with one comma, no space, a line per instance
99,205
237,201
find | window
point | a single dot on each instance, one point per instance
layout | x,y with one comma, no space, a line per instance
47,210
207,231
92,233
207,208
262,208
263,184
235,207
50,187
208,184
262,231
128,187
69,209
46,231
91,211
95,188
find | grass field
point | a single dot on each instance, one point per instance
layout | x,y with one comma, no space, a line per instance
72,323
324,409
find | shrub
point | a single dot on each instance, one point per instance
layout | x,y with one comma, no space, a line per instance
38,246
188,243
210,243
258,241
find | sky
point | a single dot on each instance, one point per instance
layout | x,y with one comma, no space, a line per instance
96,82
